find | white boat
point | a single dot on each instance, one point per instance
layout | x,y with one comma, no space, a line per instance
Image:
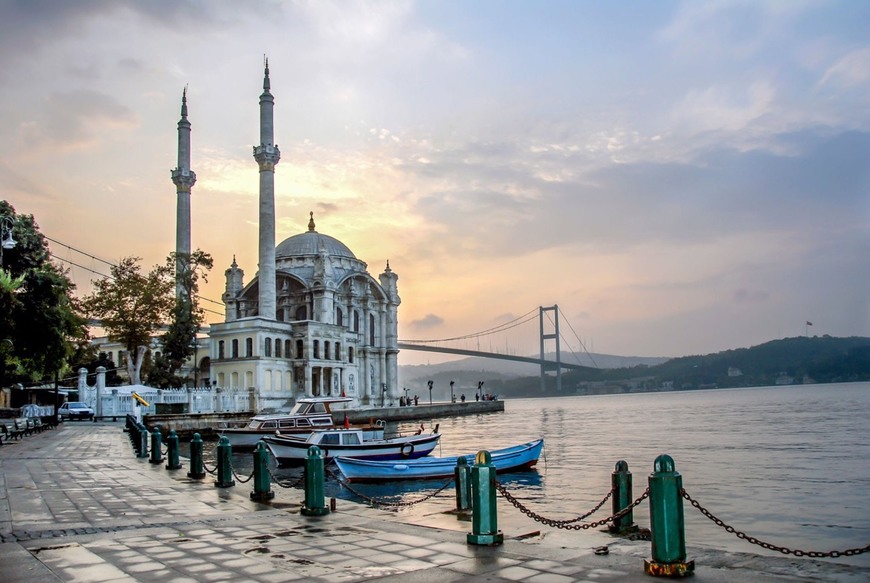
306,415
293,449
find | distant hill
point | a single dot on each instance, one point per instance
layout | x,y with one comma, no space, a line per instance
820,359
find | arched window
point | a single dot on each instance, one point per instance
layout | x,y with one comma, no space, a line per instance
221,349
277,348
249,347
301,313
287,349
317,349
355,321
235,349
267,351
300,349
372,329
338,351
339,317
350,354
326,350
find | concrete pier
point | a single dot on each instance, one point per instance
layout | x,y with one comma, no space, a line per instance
77,505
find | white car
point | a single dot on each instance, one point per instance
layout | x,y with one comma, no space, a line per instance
75,410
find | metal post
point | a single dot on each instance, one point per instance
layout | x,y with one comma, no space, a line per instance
620,481
462,476
262,482
224,464
315,503
156,447
143,441
484,518
667,528
452,397
172,461
197,472
430,392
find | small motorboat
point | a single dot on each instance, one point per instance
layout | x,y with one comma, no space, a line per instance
293,449
515,458
306,415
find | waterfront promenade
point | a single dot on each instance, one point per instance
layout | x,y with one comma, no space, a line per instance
77,505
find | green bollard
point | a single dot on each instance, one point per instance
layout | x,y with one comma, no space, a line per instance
667,528
197,471
142,450
315,503
172,461
224,464
484,518
620,480
262,483
156,447
462,477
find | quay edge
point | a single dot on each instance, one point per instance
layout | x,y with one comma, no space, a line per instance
208,424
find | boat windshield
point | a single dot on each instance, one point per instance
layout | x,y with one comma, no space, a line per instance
329,439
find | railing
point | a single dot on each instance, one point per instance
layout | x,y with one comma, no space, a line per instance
198,400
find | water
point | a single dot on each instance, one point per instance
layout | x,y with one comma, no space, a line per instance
788,465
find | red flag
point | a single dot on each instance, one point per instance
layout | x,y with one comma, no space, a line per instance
346,422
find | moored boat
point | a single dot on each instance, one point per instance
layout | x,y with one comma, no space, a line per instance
293,449
307,415
515,458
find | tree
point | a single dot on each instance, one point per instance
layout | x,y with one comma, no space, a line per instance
40,321
179,341
132,307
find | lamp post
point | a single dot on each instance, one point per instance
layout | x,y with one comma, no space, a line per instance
480,389
452,396
430,392
406,393
6,240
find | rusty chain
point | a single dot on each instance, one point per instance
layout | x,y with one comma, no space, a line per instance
384,503
766,545
284,484
569,524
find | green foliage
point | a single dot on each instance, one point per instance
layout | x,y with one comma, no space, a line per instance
40,322
131,305
179,341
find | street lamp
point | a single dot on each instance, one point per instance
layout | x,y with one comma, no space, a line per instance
430,392
406,394
452,397
6,240
480,389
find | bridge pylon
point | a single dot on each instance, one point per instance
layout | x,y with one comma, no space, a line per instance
554,336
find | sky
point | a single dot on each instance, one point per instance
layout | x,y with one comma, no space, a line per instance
679,177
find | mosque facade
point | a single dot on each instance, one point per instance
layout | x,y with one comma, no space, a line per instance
313,321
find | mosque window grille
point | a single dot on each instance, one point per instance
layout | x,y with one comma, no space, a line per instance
267,348
249,347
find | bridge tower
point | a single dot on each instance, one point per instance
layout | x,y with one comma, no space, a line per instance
545,366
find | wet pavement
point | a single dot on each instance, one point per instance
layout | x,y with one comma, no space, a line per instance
77,505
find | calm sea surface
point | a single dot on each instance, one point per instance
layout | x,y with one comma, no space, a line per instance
788,465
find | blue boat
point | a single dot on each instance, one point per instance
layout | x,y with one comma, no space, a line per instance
517,457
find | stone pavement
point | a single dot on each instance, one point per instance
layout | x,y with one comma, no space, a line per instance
77,505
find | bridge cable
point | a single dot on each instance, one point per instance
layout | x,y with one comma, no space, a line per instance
500,328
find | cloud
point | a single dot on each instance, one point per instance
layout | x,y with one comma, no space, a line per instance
78,119
850,71
427,323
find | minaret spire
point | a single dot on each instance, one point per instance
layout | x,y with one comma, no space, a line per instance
267,156
184,178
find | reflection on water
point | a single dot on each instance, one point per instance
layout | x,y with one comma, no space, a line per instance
789,465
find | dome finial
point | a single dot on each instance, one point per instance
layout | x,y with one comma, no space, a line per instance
388,266
311,221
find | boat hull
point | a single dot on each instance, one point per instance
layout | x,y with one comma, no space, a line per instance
244,439
516,458
294,451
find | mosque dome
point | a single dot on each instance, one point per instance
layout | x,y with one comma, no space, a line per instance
310,243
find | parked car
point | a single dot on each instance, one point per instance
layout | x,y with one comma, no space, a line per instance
75,410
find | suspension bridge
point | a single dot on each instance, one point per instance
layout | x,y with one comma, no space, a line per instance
548,334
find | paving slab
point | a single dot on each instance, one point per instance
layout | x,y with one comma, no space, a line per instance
77,505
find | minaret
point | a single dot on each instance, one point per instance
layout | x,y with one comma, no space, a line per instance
267,155
184,179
